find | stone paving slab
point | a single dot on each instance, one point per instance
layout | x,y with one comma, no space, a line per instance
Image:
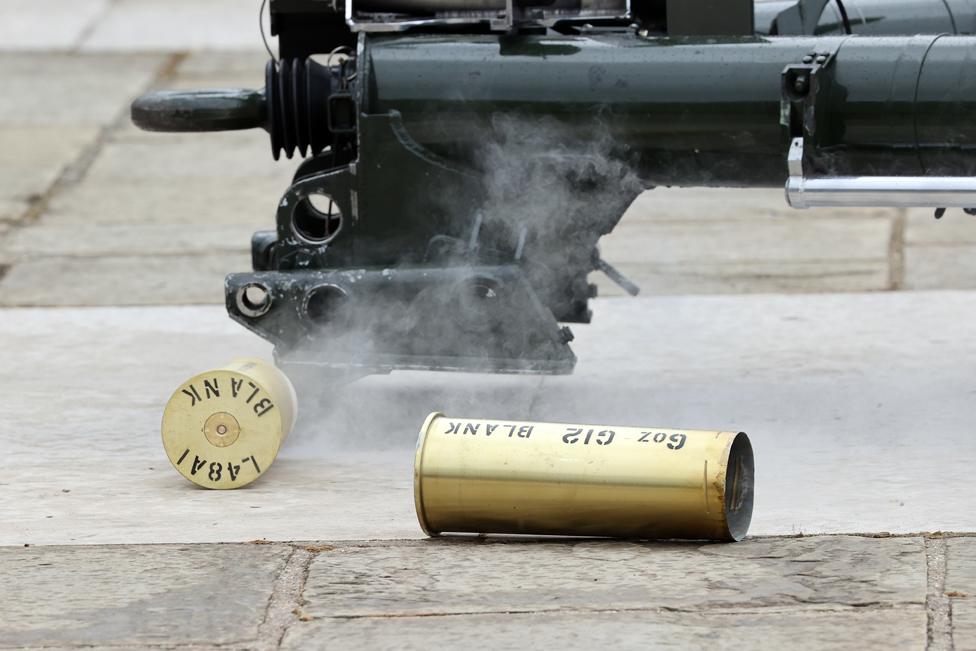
955,227
726,237
126,498
468,577
155,594
11,209
32,159
902,628
827,592
121,280
246,204
719,204
211,65
940,253
677,241
940,267
176,25
70,90
773,593
72,238
698,276
51,111
961,566
964,625
960,588
228,157
840,394
46,25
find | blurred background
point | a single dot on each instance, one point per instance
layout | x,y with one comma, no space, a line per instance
122,217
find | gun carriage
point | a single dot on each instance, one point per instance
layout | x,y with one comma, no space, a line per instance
462,158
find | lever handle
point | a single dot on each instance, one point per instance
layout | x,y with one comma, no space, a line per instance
200,110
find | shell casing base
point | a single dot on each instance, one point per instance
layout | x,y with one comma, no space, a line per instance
223,428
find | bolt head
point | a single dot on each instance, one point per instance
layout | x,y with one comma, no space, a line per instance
801,84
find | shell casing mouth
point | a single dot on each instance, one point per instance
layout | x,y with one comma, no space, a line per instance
739,487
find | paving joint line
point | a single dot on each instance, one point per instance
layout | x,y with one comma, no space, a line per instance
283,609
284,605
720,610
938,614
89,29
75,171
896,251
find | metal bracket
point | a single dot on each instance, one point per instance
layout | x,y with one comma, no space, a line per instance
342,113
370,320
802,87
508,18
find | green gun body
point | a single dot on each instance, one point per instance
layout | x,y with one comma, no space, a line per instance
695,111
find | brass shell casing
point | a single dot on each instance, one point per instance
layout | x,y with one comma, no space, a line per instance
490,476
223,428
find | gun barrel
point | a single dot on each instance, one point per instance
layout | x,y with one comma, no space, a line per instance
693,111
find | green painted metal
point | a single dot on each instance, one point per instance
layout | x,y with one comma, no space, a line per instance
691,111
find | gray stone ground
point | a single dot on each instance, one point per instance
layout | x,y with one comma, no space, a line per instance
791,325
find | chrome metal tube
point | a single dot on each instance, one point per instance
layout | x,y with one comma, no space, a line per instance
882,192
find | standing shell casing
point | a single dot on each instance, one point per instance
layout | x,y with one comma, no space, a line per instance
223,428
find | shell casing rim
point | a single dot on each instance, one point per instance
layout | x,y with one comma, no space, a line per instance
418,499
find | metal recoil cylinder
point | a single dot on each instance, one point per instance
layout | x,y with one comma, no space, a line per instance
223,428
688,111
691,111
493,476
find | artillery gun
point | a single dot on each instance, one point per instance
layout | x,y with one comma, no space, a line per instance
462,158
